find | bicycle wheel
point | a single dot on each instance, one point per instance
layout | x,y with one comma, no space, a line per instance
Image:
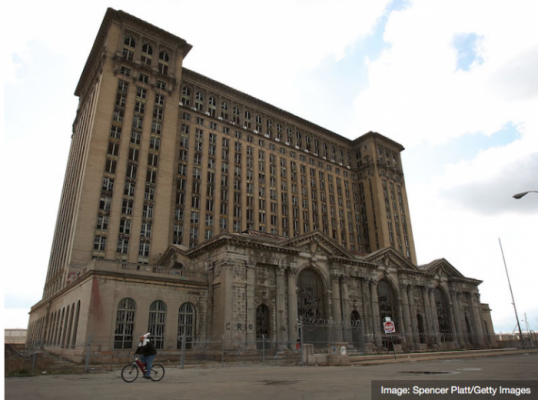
129,373
157,372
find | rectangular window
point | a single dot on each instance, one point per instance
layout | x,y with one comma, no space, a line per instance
145,231
99,243
143,78
127,207
141,92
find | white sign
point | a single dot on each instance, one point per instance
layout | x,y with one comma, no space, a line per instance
343,350
389,327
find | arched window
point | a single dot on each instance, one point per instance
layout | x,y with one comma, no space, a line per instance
262,324
269,124
186,96
224,111
65,325
147,53
70,328
164,59
259,125
186,325
356,330
125,316
212,107
199,101
75,327
310,295
247,119
237,115
289,138
156,323
442,312
387,306
128,48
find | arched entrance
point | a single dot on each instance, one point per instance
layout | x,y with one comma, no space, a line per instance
311,307
356,330
442,314
311,296
387,309
262,325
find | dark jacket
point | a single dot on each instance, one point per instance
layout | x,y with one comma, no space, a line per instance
147,350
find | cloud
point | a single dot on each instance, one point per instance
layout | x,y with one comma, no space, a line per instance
417,94
494,195
517,79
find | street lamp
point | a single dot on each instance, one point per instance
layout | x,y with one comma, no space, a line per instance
520,195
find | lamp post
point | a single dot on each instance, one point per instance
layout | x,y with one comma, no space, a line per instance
520,195
513,301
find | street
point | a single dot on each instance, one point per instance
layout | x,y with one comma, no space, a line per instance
269,383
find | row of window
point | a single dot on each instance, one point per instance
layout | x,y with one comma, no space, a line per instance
59,330
100,239
267,196
125,324
241,116
146,55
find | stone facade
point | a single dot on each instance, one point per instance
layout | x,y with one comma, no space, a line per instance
190,208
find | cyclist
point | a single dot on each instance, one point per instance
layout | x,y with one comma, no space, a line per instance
147,352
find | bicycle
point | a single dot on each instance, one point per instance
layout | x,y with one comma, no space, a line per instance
129,373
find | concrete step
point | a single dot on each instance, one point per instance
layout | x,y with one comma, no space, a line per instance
428,356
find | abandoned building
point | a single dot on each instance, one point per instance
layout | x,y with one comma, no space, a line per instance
190,209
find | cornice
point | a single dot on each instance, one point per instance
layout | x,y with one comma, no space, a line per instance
122,17
377,136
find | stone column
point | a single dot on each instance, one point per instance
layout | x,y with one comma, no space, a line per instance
376,321
336,306
413,312
227,279
457,316
367,311
475,303
435,318
292,307
407,315
346,315
281,325
466,333
335,288
428,317
250,305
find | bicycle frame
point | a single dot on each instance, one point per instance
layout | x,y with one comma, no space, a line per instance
141,365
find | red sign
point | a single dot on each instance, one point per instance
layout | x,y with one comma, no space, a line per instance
389,327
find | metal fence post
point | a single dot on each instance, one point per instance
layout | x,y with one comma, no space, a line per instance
183,347
263,349
34,361
302,343
88,350
222,336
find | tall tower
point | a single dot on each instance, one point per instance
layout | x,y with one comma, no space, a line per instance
120,161
385,208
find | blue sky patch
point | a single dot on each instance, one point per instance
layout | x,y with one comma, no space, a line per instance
466,45
465,147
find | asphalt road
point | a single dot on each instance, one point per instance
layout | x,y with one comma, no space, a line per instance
273,383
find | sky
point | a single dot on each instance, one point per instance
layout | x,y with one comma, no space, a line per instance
455,82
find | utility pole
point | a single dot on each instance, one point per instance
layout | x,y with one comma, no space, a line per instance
513,301
528,330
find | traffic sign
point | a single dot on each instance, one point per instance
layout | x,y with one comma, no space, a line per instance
389,327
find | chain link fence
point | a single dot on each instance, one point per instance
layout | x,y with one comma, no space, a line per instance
313,337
